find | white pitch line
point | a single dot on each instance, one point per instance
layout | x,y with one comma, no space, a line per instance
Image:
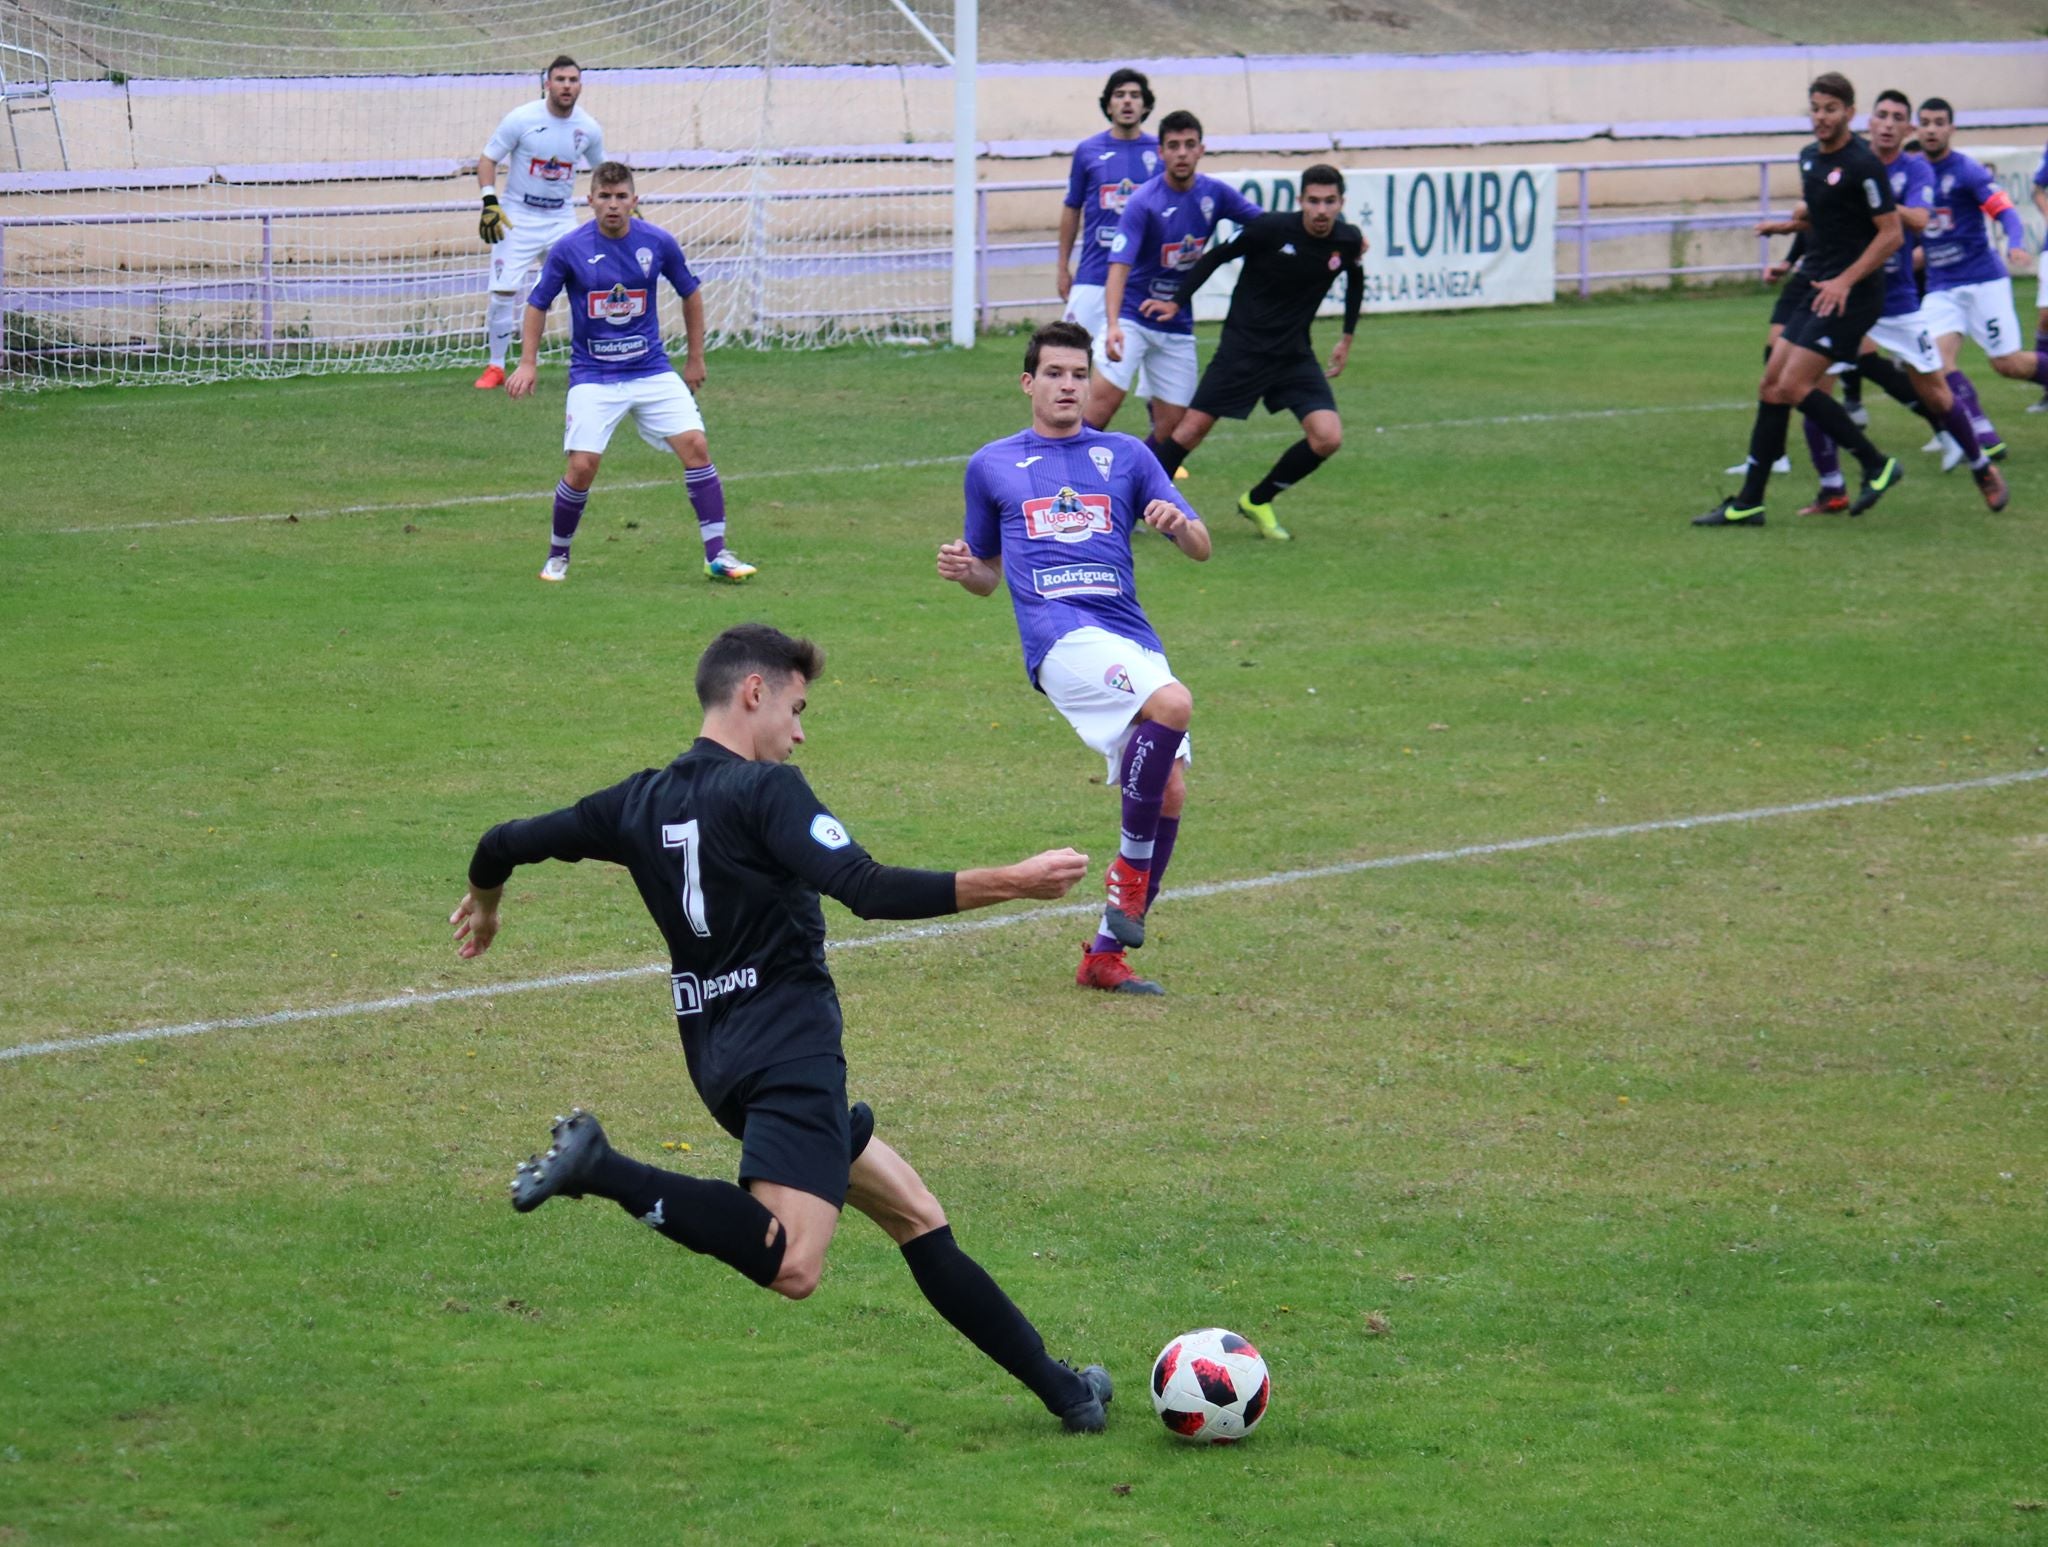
456,501
951,927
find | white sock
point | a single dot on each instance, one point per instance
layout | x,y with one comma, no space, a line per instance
502,319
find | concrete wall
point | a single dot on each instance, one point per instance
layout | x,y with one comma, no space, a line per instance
1634,95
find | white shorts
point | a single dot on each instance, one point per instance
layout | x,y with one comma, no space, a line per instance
1085,305
661,406
1909,340
524,248
1099,681
1983,310
1167,360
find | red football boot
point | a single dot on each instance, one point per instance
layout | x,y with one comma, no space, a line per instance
1107,970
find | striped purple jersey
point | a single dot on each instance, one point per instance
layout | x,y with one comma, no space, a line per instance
1059,515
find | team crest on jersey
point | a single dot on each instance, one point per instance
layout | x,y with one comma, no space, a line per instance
1119,679
1067,517
1151,161
617,306
1208,208
1336,263
1183,254
1948,183
646,257
1103,458
1834,176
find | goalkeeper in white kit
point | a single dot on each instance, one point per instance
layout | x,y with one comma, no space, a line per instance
537,147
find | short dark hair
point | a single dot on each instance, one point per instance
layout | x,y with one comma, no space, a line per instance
562,62
1833,84
748,648
610,174
1893,94
1179,121
1938,105
1055,335
1128,77
1322,175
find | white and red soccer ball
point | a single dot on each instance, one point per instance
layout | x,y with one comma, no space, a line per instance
1210,1387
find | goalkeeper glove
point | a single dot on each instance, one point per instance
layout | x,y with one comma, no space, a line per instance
492,225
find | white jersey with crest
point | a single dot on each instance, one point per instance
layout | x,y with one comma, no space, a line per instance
538,154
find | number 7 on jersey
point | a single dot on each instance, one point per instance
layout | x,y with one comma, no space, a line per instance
684,836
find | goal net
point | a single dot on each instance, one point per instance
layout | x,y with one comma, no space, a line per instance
194,189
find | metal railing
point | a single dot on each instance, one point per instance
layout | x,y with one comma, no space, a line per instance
272,282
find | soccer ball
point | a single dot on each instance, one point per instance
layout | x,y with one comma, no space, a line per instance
1210,1387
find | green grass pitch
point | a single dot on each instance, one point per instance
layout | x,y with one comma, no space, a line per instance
1682,1186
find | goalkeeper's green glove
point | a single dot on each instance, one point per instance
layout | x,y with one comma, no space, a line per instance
492,225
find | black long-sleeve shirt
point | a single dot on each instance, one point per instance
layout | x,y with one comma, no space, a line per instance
1286,274
730,857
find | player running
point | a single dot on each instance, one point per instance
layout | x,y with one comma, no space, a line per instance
617,365
730,849
1969,288
1902,329
1166,224
1852,227
1051,510
538,146
1290,261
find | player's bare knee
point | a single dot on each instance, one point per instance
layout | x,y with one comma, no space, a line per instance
798,1281
582,470
1172,706
1326,444
2012,365
693,448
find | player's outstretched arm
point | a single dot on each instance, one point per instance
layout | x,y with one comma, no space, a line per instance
958,564
1045,876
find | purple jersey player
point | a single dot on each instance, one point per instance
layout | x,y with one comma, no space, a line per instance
1902,330
1165,228
1969,286
2041,310
1107,168
1051,512
617,365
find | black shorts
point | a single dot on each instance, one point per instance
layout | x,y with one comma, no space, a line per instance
1839,337
1795,295
794,1127
1233,383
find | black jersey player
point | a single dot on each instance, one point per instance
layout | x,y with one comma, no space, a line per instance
1852,226
1291,258
730,849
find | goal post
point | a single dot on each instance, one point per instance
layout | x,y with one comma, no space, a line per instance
252,187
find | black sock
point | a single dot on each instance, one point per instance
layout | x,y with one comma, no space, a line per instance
1766,445
716,1219
1888,376
960,1290
1841,429
1295,464
1169,451
1852,384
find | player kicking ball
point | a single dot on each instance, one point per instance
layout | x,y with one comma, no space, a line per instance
617,365
1051,510
730,849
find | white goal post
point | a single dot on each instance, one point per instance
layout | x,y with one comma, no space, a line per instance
191,191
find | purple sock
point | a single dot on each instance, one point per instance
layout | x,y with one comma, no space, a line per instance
707,498
568,512
2040,363
1143,775
1827,461
1966,394
1162,851
1957,423
2041,341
